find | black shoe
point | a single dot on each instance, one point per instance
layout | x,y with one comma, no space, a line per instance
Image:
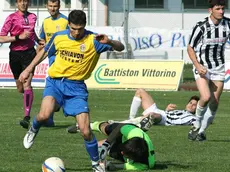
25,122
146,123
73,129
201,137
192,134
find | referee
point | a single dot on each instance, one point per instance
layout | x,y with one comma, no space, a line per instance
20,25
206,50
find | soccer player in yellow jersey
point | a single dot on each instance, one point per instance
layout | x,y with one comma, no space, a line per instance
52,24
55,22
76,52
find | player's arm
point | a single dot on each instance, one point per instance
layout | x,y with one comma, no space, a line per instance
42,40
6,39
192,56
195,38
40,45
38,59
170,107
105,147
116,45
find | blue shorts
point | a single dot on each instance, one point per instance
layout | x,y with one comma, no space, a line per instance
72,96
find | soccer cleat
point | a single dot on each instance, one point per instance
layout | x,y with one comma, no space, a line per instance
201,137
146,123
25,122
73,129
29,138
192,134
98,168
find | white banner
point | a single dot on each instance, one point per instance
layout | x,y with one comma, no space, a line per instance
148,39
141,40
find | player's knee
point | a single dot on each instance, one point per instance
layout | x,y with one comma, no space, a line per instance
42,116
156,117
20,89
85,132
139,92
205,98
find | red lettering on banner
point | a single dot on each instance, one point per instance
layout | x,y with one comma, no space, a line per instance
5,68
41,69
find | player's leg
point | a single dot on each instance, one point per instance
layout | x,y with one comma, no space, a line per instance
51,97
28,100
25,59
16,68
47,108
216,88
141,98
77,105
89,139
50,121
136,103
205,95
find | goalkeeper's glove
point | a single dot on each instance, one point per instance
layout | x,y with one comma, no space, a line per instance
103,150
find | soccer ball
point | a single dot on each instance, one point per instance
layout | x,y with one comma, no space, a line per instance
53,164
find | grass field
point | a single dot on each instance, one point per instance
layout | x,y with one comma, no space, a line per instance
174,152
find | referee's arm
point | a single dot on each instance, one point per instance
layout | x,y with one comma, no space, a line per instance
6,39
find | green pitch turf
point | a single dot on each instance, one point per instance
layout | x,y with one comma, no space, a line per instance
174,152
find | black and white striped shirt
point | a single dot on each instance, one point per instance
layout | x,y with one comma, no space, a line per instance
179,117
208,41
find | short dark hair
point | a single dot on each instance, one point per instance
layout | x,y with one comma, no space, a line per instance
194,98
136,149
17,1
213,3
77,17
53,1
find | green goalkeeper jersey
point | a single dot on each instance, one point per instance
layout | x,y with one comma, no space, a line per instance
130,131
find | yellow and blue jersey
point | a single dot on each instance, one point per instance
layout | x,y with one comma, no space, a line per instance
51,26
74,59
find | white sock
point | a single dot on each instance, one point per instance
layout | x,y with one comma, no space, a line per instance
199,115
94,162
207,119
136,103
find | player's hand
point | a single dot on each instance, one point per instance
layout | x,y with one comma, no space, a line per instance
102,38
170,107
24,35
42,42
103,150
24,76
201,70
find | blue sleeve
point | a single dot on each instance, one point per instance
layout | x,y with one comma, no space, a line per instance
42,33
100,48
50,47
